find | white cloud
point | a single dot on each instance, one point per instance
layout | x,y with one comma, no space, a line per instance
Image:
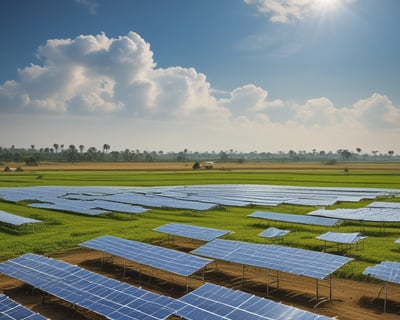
285,11
90,4
112,88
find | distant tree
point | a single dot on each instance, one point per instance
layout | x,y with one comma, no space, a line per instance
56,147
358,150
346,154
32,147
106,147
390,152
81,148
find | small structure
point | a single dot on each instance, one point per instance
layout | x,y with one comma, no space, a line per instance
343,240
274,233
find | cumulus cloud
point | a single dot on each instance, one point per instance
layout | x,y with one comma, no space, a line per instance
285,11
92,78
92,74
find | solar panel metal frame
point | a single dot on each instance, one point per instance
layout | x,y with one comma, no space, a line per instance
191,232
173,261
105,296
312,264
213,302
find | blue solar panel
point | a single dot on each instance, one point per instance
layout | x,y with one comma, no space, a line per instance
295,218
386,271
337,237
157,257
372,214
213,302
15,220
317,265
11,310
273,233
107,297
192,232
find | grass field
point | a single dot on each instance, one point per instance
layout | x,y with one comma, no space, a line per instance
63,231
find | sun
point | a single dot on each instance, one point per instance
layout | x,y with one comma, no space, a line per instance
326,5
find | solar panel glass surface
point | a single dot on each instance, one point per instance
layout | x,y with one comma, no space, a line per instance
11,310
102,295
173,261
15,220
347,238
295,218
211,301
317,265
387,271
273,233
192,232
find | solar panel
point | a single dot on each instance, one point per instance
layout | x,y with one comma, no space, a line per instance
383,204
195,197
105,296
192,232
371,214
295,218
15,220
316,265
173,261
11,310
347,238
273,233
386,271
213,302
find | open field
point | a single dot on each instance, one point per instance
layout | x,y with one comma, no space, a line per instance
61,233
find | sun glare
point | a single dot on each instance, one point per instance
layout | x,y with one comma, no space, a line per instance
327,4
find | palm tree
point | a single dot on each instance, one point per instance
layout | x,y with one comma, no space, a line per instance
106,147
56,147
81,147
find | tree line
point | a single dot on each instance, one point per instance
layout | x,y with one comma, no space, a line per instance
72,153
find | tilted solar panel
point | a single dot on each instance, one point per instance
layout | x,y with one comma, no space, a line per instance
317,265
386,271
192,232
273,233
372,214
213,302
295,218
105,296
173,261
11,310
337,237
15,220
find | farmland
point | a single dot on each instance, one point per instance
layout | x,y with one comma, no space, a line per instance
60,233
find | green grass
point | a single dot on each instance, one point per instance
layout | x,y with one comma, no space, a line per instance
63,231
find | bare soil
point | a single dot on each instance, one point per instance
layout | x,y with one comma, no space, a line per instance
350,299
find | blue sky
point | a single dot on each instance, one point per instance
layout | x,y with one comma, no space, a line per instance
247,75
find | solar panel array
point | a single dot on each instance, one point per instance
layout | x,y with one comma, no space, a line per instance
316,265
213,302
173,261
273,233
387,271
192,232
11,310
15,220
346,238
370,214
202,197
295,218
105,296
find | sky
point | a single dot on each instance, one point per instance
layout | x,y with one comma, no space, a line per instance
209,75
